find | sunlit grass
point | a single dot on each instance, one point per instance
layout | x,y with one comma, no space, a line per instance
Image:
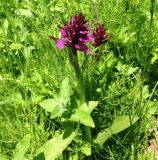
32,69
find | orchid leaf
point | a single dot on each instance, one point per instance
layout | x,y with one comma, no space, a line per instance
49,105
82,117
118,125
65,90
21,148
86,149
53,107
91,106
57,112
53,148
74,156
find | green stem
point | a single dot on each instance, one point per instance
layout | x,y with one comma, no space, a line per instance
79,76
80,85
152,11
88,133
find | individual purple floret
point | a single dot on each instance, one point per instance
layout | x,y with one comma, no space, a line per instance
100,36
75,34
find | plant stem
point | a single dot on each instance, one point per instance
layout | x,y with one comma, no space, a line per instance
151,11
79,76
96,11
81,89
88,133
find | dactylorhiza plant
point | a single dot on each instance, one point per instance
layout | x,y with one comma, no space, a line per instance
74,110
76,35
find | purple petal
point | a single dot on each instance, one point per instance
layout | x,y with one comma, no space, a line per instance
60,43
89,38
63,33
82,40
83,32
77,46
84,48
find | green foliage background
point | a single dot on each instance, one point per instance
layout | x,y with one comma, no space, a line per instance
124,81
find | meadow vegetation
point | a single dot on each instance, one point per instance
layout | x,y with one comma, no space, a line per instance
121,86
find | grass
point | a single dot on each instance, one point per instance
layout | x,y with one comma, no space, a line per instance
124,80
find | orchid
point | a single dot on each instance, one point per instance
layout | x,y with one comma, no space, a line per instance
75,34
100,36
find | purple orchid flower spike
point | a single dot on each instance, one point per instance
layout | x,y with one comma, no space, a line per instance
100,36
75,34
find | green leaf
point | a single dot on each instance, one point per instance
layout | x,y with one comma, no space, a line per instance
155,56
2,157
54,107
83,107
5,25
53,148
131,70
86,149
91,106
122,122
119,124
16,46
21,148
49,105
4,102
145,92
110,60
57,112
152,107
82,117
65,90
24,12
74,156
126,69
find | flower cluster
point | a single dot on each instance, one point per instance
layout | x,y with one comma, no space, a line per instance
100,36
75,34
